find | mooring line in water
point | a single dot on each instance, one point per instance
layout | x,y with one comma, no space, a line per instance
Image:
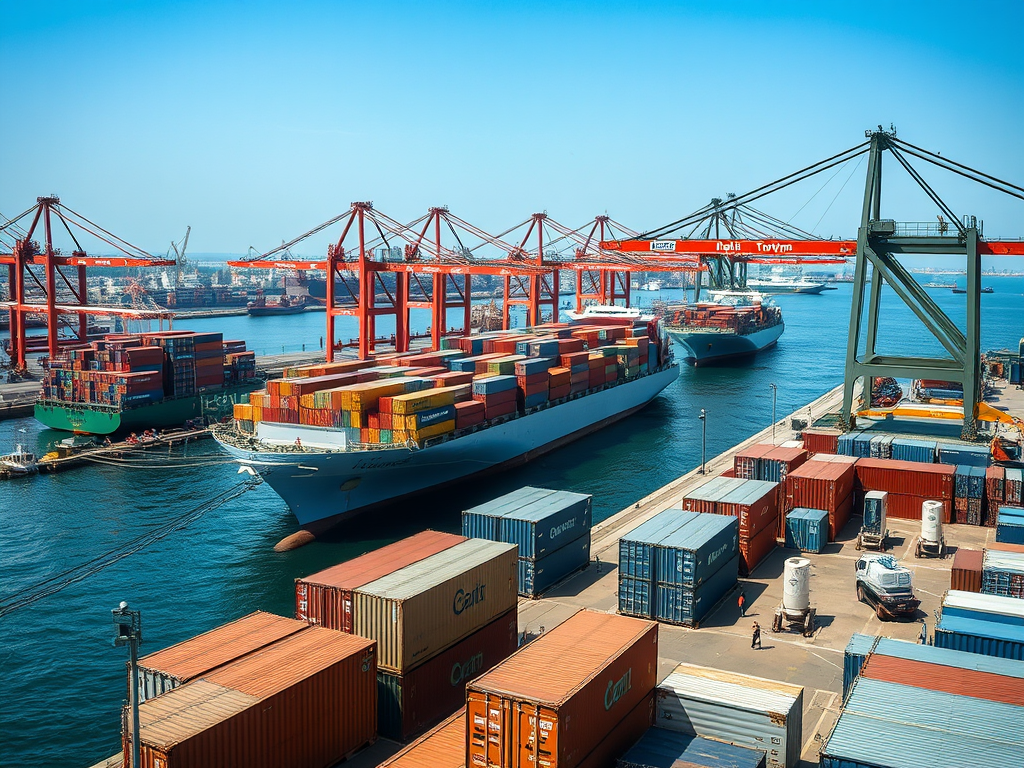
60,581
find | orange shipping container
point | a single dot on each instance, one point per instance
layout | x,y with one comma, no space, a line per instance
326,597
307,700
442,747
554,701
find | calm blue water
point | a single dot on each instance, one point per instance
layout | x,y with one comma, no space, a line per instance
62,682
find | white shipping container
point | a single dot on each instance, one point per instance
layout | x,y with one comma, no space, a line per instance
739,709
422,609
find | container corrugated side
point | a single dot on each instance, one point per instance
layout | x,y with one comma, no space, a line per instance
633,726
636,596
935,677
822,485
856,653
933,481
687,606
807,529
538,576
636,548
696,551
972,605
548,524
309,699
1002,573
754,551
740,709
325,597
409,704
481,522
885,724
166,669
442,747
977,636
965,574
661,748
561,693
756,505
417,612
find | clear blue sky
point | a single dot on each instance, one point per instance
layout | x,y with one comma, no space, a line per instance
254,121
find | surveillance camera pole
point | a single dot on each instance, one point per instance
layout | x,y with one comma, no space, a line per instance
703,439
129,632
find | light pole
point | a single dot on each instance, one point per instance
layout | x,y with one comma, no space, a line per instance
775,393
703,438
129,632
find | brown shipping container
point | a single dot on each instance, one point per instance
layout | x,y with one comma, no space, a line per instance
625,735
326,597
755,517
821,440
408,704
417,612
192,658
913,478
553,701
753,551
936,677
904,507
966,573
823,485
1000,546
306,701
441,747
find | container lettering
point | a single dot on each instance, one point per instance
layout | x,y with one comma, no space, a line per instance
464,600
558,530
717,553
616,690
461,671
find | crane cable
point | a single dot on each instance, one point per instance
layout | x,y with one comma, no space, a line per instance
66,578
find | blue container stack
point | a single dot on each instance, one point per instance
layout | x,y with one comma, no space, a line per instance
677,566
969,455
855,444
987,624
661,748
913,450
969,494
881,447
551,529
1002,573
857,652
1010,525
807,529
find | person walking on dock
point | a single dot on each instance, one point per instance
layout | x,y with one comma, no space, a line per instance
742,603
755,641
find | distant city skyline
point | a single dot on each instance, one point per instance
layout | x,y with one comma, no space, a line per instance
253,123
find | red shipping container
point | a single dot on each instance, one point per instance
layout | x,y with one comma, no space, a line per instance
756,516
559,376
821,440
728,473
534,389
755,550
409,704
624,735
788,459
452,378
499,409
558,697
325,597
819,485
555,393
497,398
995,484
307,700
931,481
575,358
745,462
967,569
442,747
936,677
533,378
908,507
568,346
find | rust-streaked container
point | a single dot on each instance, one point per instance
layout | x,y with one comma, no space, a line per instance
555,700
905,507
441,747
912,478
422,609
177,664
325,597
821,440
307,700
935,677
826,485
966,572
409,704
754,551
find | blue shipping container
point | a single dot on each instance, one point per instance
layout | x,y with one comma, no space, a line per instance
535,364
493,384
1010,525
547,523
969,455
691,554
857,652
660,748
635,597
807,529
636,548
974,636
481,522
930,654
914,450
537,576
686,606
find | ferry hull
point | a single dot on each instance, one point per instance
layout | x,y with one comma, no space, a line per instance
710,347
325,488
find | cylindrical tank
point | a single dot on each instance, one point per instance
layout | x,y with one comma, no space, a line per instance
796,584
931,521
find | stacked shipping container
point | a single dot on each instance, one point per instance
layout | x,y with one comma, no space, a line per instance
824,484
755,504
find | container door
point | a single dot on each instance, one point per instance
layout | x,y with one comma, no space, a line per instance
536,736
487,729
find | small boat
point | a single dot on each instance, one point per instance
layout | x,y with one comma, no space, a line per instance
986,289
19,463
651,285
937,284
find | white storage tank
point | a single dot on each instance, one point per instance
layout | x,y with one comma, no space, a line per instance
796,584
931,521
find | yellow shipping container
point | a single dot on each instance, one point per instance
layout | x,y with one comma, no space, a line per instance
243,412
424,401
433,430
400,436
363,396
257,413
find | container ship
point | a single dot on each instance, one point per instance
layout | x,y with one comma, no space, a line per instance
146,381
713,333
285,305
341,438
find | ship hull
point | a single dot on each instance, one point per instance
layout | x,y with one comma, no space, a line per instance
264,311
780,289
711,347
326,488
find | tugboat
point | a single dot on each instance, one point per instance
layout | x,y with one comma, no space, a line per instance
19,463
284,306
738,325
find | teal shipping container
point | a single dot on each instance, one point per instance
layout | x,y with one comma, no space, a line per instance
807,529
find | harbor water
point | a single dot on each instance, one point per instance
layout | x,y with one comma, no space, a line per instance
62,682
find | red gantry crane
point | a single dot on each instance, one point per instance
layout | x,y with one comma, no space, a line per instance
60,292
